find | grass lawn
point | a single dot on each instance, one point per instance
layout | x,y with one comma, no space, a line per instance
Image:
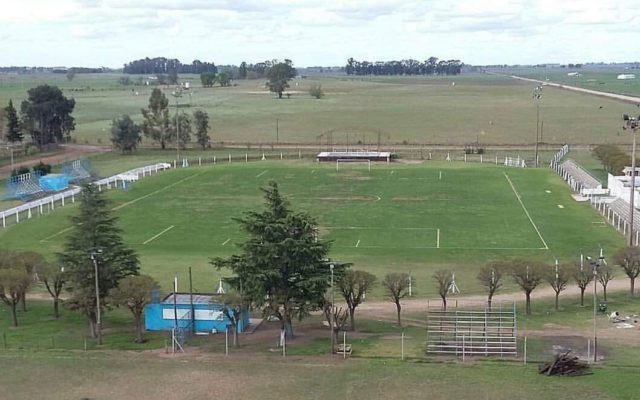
390,110
394,218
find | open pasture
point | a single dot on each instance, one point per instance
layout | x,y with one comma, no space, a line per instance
396,217
479,108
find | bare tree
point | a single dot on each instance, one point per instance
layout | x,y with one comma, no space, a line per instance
605,274
54,279
490,276
353,286
558,277
582,276
527,275
336,318
443,280
14,282
628,258
396,286
233,307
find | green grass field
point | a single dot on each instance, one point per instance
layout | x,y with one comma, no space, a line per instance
427,110
394,218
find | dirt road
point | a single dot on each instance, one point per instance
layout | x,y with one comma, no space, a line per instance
69,152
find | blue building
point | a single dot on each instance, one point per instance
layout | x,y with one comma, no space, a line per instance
207,313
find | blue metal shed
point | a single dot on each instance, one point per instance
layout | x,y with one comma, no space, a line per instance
207,313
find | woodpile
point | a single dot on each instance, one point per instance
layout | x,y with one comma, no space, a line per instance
564,364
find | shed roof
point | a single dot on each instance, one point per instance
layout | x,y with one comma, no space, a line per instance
185,298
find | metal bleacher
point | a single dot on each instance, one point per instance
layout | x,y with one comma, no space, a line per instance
24,187
582,178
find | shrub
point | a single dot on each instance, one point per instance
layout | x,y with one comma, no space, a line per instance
43,168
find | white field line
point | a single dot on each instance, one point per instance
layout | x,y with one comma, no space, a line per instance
380,227
546,247
438,238
358,243
57,234
157,191
445,248
159,234
261,173
226,241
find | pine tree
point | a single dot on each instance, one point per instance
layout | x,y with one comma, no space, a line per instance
95,236
13,131
282,267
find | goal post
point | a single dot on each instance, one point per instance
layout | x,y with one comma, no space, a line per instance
353,161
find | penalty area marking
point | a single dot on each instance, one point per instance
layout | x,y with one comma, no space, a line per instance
56,234
526,212
159,234
226,241
157,191
261,173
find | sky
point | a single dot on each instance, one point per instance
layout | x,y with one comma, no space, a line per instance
109,33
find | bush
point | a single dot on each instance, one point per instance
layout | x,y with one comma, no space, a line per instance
43,168
20,171
316,91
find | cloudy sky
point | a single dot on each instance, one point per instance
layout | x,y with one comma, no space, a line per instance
317,32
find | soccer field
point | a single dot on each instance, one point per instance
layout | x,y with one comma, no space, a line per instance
396,217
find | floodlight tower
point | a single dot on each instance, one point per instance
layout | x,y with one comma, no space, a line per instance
94,257
632,124
595,264
537,96
333,300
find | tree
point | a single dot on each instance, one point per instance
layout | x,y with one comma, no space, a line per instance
233,305
46,115
208,79
443,279
224,79
71,73
95,237
134,292
156,119
13,132
605,274
54,278
353,286
490,276
396,285
31,261
582,277
279,76
628,258
14,282
172,77
282,266
242,70
183,129
201,122
558,277
316,91
527,275
125,134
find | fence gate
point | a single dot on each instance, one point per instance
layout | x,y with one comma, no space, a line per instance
472,331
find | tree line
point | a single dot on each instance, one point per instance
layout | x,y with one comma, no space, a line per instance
431,66
162,65
612,158
45,117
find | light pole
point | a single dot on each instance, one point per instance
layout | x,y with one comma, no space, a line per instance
537,95
631,123
177,94
93,255
10,148
595,264
333,301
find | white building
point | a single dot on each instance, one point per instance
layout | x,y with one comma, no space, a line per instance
626,76
620,186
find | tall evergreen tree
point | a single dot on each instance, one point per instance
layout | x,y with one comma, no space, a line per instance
281,267
156,119
46,115
201,122
95,236
13,132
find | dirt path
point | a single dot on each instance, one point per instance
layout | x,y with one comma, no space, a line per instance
615,96
69,152
386,309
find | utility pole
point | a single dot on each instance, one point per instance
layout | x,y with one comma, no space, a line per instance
537,95
277,131
94,258
333,301
177,94
632,123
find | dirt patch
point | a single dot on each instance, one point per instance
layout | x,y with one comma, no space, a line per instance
69,152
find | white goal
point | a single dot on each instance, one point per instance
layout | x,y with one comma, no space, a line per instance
515,162
340,163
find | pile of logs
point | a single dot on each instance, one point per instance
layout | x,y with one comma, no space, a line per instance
565,365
